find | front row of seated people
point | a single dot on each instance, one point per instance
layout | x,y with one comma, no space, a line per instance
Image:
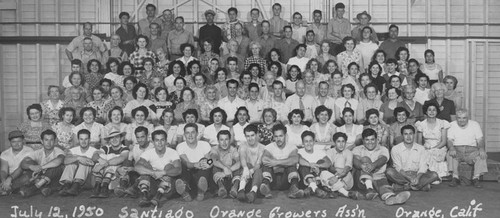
153,170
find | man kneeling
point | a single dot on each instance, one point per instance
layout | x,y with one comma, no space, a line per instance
159,165
409,160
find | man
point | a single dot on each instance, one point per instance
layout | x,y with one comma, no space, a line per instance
11,173
167,22
319,29
231,102
156,40
253,28
76,66
87,53
392,65
280,166
277,23
108,159
159,165
409,161
324,99
466,144
391,45
232,48
364,20
311,162
177,37
251,162
151,18
370,160
127,33
211,31
228,29
189,116
278,102
338,28
298,29
114,51
227,166
78,165
45,166
254,103
312,48
76,45
243,41
266,39
300,100
286,45
196,166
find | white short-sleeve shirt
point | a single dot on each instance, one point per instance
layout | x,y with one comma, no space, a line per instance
280,153
468,136
196,154
159,162
313,157
77,151
14,160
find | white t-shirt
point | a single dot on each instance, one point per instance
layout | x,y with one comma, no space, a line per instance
136,152
97,131
280,153
157,162
314,157
468,136
77,151
14,161
421,96
196,154
41,158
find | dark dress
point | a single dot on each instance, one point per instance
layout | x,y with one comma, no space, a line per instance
447,108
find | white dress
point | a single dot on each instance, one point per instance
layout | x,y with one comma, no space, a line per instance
432,137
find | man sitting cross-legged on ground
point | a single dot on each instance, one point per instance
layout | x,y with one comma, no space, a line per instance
108,159
11,173
370,160
280,166
339,177
409,160
44,165
159,165
129,182
78,165
311,162
195,164
227,166
251,160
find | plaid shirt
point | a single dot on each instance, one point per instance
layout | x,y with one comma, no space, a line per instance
93,79
136,59
257,60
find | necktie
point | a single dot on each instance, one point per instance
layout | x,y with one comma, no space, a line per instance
301,104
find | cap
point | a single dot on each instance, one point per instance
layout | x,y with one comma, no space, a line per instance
15,134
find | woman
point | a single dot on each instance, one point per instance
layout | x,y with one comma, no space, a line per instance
245,81
375,72
140,115
220,79
275,56
233,46
167,125
148,74
310,83
387,108
352,75
446,107
176,69
325,55
295,128
256,72
402,56
255,48
161,102
363,80
115,117
106,84
52,106
112,65
125,69
94,74
335,85
141,52
208,104
294,75
129,83
413,71
77,81
175,96
269,117
349,55
99,104
199,86
64,128
162,65
370,102
451,92
34,126
97,131
324,99
187,102
189,116
217,117
431,69
395,136
432,133
211,71
323,130
315,66
207,53
373,122
422,92
193,68
277,70
299,58
366,46
116,98
238,128
75,101
415,112
380,57
187,51
141,98
347,100
352,130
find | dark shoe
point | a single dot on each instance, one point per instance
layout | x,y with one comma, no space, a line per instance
454,182
64,190
251,196
475,183
132,191
399,188
234,189
265,190
241,196
28,191
156,199
202,188
104,191
400,198
371,194
74,190
447,178
320,193
96,191
426,188
182,189
295,192
356,195
46,192
144,202
222,192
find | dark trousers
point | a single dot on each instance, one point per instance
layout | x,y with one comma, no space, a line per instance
192,176
280,177
380,185
53,174
397,177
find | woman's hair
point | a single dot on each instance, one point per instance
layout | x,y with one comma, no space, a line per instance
430,104
136,88
185,45
202,47
373,63
242,108
101,89
130,78
158,90
170,70
115,108
122,65
143,37
398,110
400,49
299,74
91,109
202,76
420,75
389,88
379,51
187,89
363,75
308,65
278,65
252,65
142,108
75,73
295,51
218,110
348,86
148,59
182,79
452,78
243,74
110,61
370,112
271,51
321,109
272,111
369,85
168,110
325,67
189,111
293,112
63,111
99,65
37,107
190,65
435,87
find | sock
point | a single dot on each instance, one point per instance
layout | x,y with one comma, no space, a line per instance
254,189
266,181
294,181
243,183
368,184
161,190
313,186
476,177
344,192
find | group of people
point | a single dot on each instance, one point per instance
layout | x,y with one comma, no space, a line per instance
318,110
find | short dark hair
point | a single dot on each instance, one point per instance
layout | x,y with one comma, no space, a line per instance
295,111
339,5
370,112
158,132
224,132
348,85
123,64
185,45
114,109
99,65
393,26
277,4
251,128
337,135
193,125
170,70
254,9
37,107
130,78
83,132
398,110
76,62
48,132
411,127
123,13
392,61
317,12
85,109
151,5
320,109
232,81
191,111
218,110
232,9
307,133
63,111
428,104
190,65
142,108
141,129
187,89
136,88
279,127
368,132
